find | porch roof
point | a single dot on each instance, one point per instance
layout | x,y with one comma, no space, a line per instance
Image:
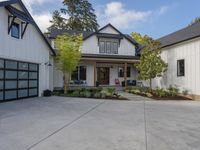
110,58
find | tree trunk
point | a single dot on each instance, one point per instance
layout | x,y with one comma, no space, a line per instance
150,83
66,82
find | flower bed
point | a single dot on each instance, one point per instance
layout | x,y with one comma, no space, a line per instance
171,93
97,93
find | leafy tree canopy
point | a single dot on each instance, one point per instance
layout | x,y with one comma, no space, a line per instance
151,65
68,56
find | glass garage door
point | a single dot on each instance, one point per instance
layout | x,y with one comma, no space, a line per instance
18,80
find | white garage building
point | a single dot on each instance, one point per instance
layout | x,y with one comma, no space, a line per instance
25,54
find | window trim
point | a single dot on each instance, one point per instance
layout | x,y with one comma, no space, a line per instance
18,26
178,72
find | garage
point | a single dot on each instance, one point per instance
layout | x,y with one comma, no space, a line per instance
18,80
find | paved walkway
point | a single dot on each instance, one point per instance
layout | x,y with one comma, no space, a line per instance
134,97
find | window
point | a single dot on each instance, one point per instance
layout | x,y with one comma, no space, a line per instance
79,73
181,67
102,47
15,30
108,46
82,73
121,72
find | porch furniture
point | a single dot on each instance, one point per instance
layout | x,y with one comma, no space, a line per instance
129,83
78,82
117,82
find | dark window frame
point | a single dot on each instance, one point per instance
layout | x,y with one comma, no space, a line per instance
104,48
79,74
12,30
180,73
128,73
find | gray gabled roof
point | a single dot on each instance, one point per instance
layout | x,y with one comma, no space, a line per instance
86,34
182,35
28,15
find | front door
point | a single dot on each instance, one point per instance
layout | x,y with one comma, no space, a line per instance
103,75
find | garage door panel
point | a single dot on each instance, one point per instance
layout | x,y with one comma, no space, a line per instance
10,95
18,79
11,84
11,74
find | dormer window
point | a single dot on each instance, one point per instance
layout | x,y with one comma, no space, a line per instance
108,46
15,30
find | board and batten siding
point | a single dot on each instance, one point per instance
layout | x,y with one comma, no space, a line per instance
190,52
31,48
90,45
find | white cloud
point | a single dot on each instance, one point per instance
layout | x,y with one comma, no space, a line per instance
163,10
43,20
116,14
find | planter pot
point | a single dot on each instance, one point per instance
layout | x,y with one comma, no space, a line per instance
97,84
47,93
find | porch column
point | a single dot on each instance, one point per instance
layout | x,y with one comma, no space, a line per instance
95,68
125,74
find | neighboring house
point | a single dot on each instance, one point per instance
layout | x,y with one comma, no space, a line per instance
107,58
24,54
181,50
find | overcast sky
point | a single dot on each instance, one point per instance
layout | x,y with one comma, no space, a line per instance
153,17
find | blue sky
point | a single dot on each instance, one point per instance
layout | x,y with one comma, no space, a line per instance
155,18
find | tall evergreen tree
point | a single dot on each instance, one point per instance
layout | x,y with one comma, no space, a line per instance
196,20
81,15
57,21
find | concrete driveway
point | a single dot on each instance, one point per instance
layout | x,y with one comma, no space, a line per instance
57,123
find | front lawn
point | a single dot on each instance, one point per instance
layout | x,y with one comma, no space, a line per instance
171,93
98,93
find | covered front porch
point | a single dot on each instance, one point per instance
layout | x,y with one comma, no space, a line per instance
112,71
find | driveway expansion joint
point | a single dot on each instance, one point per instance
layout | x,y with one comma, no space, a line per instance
65,126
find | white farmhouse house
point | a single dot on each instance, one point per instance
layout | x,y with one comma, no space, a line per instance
24,54
181,50
107,58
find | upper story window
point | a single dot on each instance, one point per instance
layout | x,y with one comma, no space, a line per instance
108,46
181,67
15,30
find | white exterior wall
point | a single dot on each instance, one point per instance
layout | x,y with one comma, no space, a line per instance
190,52
31,48
90,45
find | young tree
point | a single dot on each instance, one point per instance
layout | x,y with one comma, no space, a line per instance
151,65
196,20
68,56
57,22
81,15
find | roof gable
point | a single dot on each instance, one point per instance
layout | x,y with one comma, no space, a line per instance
23,10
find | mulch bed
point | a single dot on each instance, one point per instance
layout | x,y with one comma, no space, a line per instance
171,98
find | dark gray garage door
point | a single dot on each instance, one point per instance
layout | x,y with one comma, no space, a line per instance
18,80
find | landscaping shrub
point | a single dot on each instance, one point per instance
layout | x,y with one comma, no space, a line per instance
161,92
185,92
87,94
97,95
173,91
75,93
103,93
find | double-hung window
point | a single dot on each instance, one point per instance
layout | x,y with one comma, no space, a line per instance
79,73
